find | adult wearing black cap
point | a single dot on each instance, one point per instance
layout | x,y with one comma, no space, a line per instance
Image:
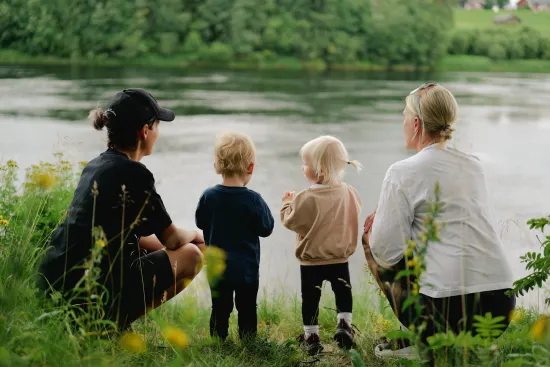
117,240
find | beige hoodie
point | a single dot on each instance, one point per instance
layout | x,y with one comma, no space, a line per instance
326,222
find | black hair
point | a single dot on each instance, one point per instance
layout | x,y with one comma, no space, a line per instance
120,134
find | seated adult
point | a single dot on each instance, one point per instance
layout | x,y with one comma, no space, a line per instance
117,240
466,271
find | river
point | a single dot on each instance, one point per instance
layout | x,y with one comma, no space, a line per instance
504,120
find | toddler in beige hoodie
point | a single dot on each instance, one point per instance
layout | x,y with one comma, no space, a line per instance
325,218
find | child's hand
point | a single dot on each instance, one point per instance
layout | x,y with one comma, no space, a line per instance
289,195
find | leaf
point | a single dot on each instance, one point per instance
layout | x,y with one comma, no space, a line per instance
400,334
356,359
408,302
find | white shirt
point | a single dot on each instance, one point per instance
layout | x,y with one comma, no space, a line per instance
470,257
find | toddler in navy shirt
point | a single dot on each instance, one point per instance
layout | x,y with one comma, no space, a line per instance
233,218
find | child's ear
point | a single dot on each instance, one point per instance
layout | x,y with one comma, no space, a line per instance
250,168
218,171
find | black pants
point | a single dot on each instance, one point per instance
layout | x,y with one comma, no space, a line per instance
445,314
457,313
222,306
312,282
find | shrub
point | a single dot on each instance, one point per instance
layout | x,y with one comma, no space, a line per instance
218,53
531,41
497,52
460,43
193,46
515,50
168,42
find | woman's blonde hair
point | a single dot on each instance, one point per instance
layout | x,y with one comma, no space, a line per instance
328,157
439,111
234,152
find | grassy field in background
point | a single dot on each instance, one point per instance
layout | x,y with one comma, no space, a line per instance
470,63
483,19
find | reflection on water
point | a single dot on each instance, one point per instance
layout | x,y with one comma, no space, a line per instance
504,119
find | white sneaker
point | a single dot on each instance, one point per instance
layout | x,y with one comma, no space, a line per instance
385,351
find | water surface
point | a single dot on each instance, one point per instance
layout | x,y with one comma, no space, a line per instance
504,119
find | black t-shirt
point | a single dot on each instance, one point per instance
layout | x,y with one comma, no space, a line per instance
118,195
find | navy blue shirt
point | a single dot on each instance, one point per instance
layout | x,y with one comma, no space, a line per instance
233,219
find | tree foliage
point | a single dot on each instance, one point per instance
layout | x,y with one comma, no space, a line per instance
330,31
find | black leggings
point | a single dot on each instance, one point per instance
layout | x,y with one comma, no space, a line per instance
312,283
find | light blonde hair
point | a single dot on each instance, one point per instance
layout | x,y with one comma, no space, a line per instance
328,157
439,112
234,152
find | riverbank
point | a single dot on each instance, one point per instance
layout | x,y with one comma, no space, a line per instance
448,63
36,332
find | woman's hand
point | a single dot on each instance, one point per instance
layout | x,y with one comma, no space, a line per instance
174,237
368,223
289,195
198,240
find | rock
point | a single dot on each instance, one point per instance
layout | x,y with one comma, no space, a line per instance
507,19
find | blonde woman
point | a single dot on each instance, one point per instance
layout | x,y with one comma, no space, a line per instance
325,218
466,271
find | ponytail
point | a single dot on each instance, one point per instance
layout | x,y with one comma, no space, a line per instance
357,165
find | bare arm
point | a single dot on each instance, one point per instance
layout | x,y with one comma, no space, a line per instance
174,237
150,243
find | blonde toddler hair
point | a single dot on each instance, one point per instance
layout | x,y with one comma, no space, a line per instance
327,154
439,112
234,152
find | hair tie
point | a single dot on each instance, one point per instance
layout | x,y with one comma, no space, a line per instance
446,127
349,162
110,111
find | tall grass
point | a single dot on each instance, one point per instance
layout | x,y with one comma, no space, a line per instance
40,331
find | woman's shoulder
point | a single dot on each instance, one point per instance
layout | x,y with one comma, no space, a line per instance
109,165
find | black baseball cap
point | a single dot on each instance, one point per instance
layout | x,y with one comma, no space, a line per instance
137,106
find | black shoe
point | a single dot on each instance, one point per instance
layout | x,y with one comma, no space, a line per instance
312,344
344,335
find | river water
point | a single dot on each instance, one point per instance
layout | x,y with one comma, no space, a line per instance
504,119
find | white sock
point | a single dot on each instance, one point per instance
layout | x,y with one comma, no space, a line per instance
310,329
345,316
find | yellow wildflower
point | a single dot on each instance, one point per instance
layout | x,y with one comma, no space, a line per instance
12,164
538,329
176,337
408,252
412,263
43,180
4,222
516,315
100,243
133,342
381,325
215,262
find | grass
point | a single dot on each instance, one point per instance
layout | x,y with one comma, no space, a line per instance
485,64
483,19
38,332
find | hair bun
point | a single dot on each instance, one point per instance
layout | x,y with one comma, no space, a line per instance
99,118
